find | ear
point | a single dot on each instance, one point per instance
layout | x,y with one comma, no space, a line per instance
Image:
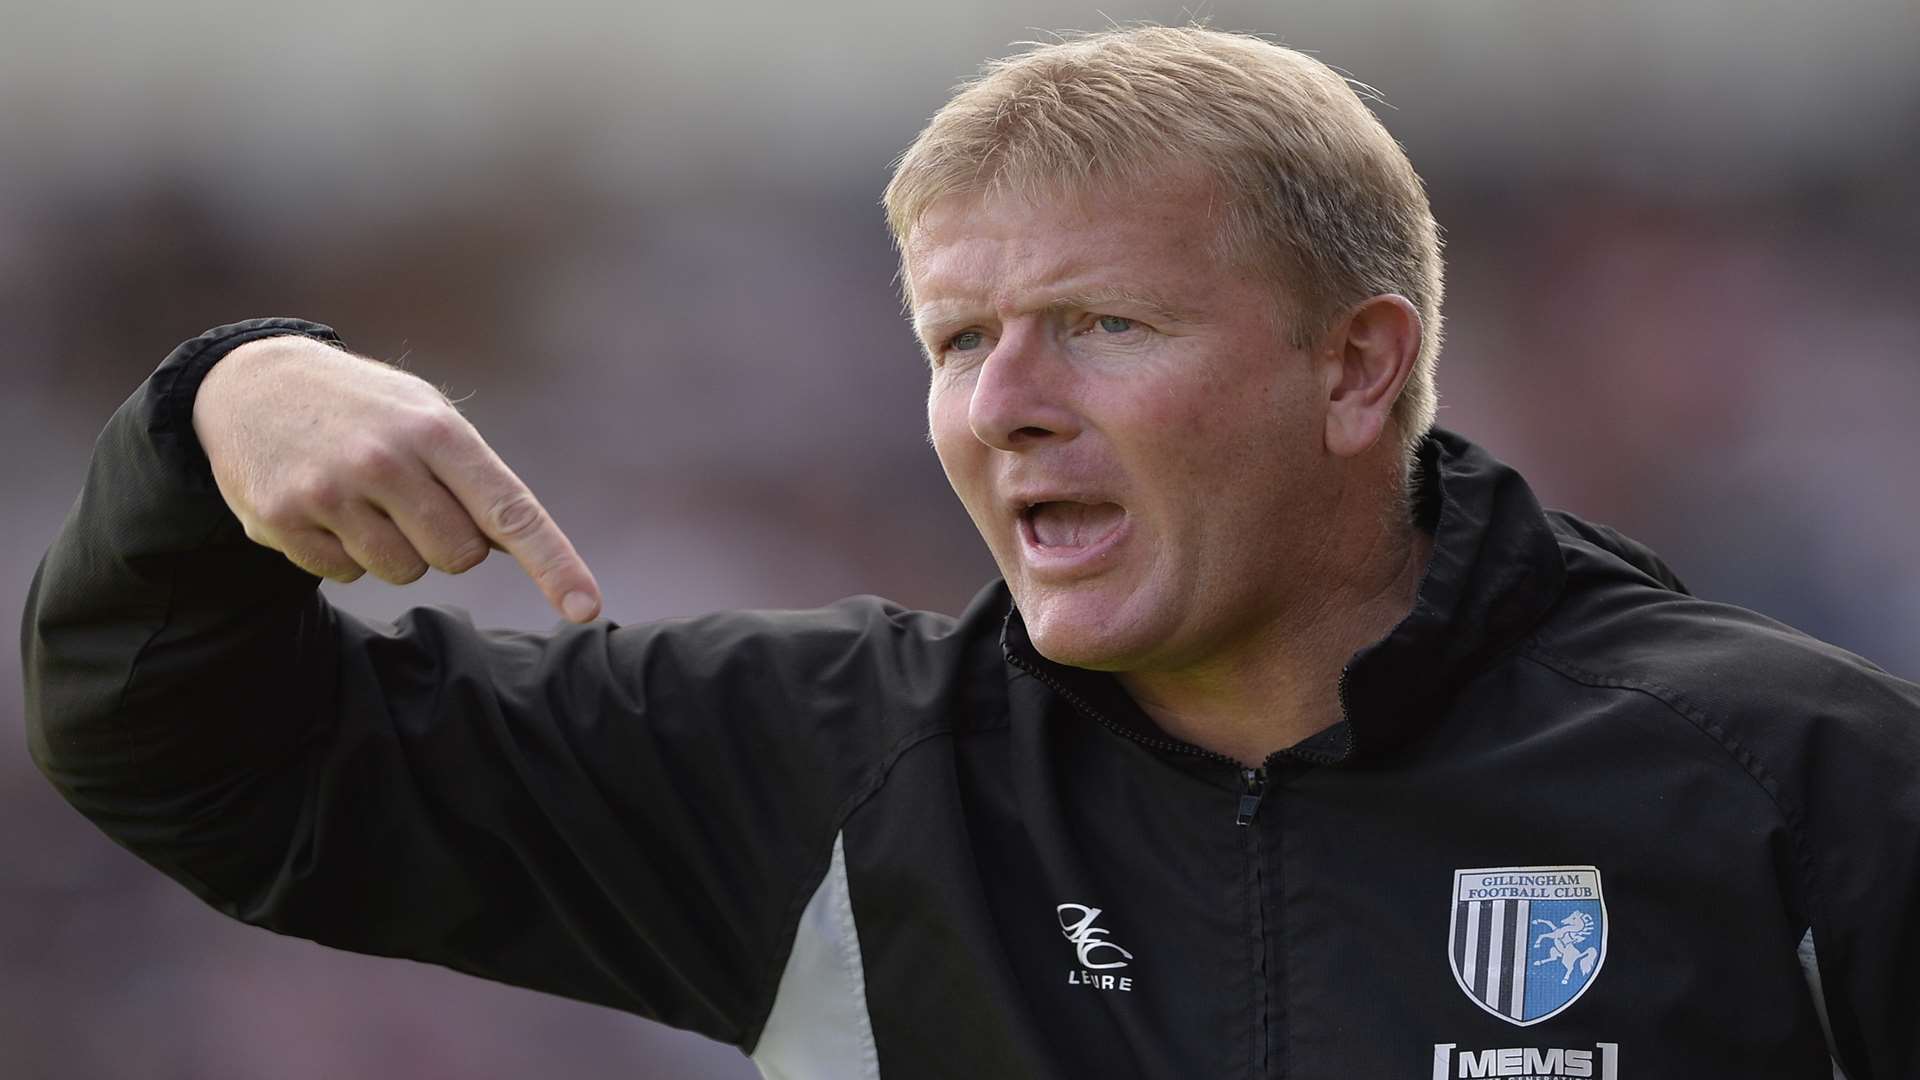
1366,358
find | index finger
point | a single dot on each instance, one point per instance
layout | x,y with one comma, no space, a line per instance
515,522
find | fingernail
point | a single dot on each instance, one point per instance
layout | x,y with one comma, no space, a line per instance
578,606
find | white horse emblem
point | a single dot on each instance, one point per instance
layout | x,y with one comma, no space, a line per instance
1567,938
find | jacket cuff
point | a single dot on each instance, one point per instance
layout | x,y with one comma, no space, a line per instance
175,382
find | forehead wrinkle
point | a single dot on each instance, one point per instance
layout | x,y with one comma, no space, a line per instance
1023,274
1050,293
1005,293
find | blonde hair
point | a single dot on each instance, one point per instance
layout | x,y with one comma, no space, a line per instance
1312,190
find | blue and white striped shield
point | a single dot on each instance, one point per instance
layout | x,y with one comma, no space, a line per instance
1527,941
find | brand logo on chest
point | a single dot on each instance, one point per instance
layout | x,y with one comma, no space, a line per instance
1098,956
1601,1061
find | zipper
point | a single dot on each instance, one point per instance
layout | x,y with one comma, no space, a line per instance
1257,888
1341,691
1252,794
1256,781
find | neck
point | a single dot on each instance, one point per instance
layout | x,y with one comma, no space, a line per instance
1281,684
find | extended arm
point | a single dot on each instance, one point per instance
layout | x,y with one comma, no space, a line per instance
623,815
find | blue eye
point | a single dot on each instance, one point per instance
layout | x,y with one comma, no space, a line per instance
1114,324
966,339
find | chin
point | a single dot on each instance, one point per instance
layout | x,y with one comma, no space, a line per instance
1074,651
1085,632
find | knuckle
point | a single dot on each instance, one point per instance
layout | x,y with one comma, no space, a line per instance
551,571
395,568
276,516
321,490
331,568
466,556
373,459
436,428
514,514
402,573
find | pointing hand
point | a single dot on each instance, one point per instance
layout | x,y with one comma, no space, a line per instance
347,465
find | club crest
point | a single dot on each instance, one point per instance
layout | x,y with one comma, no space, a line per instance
1527,941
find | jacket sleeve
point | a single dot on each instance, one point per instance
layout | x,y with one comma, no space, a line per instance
632,816
1853,783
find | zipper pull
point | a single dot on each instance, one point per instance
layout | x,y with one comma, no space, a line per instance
1256,780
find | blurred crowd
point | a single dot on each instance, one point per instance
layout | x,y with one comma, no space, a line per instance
1684,307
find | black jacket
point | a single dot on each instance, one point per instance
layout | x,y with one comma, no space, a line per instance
1575,823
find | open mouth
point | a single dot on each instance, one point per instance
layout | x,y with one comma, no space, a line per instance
1063,527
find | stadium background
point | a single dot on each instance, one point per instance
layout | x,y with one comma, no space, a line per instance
645,241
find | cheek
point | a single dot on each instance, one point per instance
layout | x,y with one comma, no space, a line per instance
1201,439
952,435
1227,462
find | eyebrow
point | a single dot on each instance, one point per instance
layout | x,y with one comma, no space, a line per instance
940,315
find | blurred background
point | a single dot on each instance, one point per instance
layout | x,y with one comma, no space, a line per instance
643,242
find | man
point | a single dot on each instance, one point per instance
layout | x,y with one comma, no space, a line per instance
1297,741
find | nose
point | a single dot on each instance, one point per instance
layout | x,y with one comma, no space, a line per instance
1022,395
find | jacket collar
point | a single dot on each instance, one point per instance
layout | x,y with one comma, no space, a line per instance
1496,569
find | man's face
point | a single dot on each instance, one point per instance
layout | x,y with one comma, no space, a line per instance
1118,410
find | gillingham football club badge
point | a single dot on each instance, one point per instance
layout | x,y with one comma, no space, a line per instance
1527,941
